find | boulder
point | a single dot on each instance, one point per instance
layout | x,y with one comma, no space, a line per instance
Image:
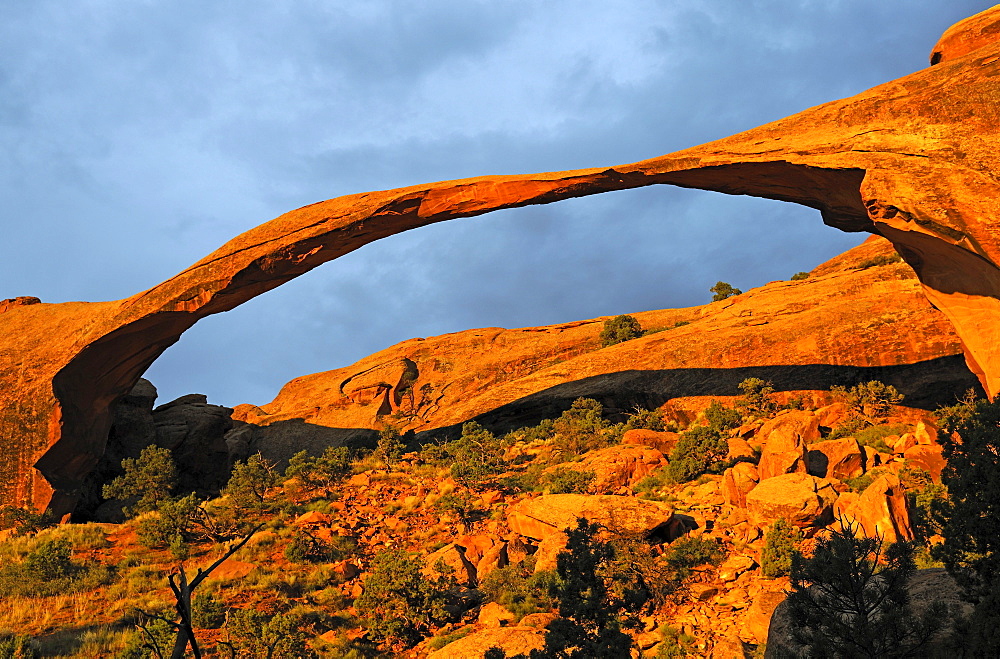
740,448
452,556
737,481
616,467
801,499
832,414
494,557
836,458
881,510
512,640
662,441
548,551
927,456
195,432
784,440
492,614
540,517
757,618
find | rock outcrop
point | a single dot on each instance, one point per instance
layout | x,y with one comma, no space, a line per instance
839,327
912,160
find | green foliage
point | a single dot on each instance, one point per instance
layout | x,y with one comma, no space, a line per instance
799,276
781,545
307,548
519,589
722,291
48,569
970,517
643,419
588,627
390,446
756,401
722,418
951,418
637,577
16,646
581,428
148,479
319,472
207,612
850,600
24,520
882,259
620,329
871,402
563,480
696,452
649,487
690,552
154,638
926,500
675,644
874,436
260,635
249,482
399,604
172,519
459,504
476,456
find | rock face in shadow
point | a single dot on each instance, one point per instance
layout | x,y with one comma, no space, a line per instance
912,160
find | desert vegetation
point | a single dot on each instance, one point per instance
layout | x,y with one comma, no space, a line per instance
594,533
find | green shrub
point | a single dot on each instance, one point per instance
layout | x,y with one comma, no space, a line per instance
50,560
722,418
696,452
320,472
154,639
148,479
261,635
648,487
780,545
883,259
24,520
871,402
458,503
799,276
675,644
563,480
49,570
620,329
307,548
756,400
390,446
581,428
722,291
476,456
399,604
207,612
691,551
172,519
249,482
849,599
519,589
644,419
874,436
16,646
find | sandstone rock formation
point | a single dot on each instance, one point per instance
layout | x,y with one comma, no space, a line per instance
839,327
912,160
543,516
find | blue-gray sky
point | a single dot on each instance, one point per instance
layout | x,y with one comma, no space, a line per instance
138,136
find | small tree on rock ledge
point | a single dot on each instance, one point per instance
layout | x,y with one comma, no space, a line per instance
620,329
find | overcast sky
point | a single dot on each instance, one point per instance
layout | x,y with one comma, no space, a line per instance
138,136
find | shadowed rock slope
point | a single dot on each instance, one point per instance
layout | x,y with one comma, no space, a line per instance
845,323
913,160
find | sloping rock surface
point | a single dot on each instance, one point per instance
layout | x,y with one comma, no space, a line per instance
912,160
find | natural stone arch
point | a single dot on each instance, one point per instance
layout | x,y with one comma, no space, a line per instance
913,160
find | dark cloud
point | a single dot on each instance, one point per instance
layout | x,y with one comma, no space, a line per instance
137,137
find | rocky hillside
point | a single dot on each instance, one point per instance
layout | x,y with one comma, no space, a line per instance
859,317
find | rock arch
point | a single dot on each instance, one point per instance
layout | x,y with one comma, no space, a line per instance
914,160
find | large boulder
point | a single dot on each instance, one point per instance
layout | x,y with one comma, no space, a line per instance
836,458
785,438
512,640
616,467
737,481
662,440
927,456
194,430
881,510
801,499
540,517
